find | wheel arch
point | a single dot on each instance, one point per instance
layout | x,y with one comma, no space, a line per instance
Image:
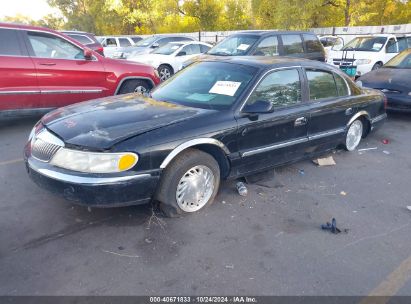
365,117
125,79
211,146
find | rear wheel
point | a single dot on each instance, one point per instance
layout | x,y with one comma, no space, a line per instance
354,135
189,183
165,72
134,86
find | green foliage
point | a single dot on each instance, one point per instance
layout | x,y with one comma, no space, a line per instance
173,16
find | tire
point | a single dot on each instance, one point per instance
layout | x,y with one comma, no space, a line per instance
354,134
183,185
134,85
165,72
377,66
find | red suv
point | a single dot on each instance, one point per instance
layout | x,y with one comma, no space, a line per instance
41,69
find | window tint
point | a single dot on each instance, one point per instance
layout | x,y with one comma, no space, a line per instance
204,48
9,43
136,39
110,42
81,38
267,47
292,44
312,44
404,43
191,49
124,42
282,88
341,85
181,39
50,46
321,84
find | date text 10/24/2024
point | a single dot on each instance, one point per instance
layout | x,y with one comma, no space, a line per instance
204,299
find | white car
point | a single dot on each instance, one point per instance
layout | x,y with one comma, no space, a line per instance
367,52
114,44
169,58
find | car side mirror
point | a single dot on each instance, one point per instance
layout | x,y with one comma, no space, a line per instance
259,107
88,54
155,45
182,53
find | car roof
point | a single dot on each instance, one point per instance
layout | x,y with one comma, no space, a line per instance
76,32
268,62
271,32
184,42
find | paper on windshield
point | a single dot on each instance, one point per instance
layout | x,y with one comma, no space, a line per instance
377,46
174,47
243,47
225,88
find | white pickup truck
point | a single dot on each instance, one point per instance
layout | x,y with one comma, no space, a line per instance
369,52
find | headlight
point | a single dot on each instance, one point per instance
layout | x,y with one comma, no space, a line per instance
35,130
409,94
362,61
93,162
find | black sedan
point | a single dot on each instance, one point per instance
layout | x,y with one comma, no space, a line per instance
219,119
394,79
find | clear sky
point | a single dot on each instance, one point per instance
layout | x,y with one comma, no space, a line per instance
35,9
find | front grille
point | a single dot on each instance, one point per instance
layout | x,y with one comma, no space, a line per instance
42,150
344,62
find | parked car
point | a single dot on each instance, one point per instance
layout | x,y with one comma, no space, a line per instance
41,69
86,39
115,44
267,43
148,44
169,58
394,80
368,52
217,119
330,42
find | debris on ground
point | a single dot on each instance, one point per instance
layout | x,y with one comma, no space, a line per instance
343,193
367,149
385,141
301,171
241,189
88,209
229,266
332,227
325,161
223,202
386,152
148,240
409,208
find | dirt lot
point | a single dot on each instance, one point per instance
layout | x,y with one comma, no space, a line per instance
268,243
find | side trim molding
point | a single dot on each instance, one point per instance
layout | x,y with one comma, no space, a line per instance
379,117
191,143
326,133
274,147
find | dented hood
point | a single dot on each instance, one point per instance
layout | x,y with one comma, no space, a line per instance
99,124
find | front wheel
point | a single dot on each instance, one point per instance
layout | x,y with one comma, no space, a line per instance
189,183
377,66
165,72
354,135
134,86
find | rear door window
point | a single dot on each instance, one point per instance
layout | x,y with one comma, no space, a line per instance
341,85
321,84
204,48
83,39
292,44
191,49
9,43
124,42
312,44
267,47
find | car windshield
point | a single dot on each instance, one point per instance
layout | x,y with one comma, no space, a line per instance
367,44
208,85
235,45
401,61
146,42
168,49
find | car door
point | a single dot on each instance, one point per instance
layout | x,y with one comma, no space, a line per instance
64,75
331,106
391,50
268,139
18,79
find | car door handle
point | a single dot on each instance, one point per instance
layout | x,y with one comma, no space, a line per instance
47,63
348,111
301,121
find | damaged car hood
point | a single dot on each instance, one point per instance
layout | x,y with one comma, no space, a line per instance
99,124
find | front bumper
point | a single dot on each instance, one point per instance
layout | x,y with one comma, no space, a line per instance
94,190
